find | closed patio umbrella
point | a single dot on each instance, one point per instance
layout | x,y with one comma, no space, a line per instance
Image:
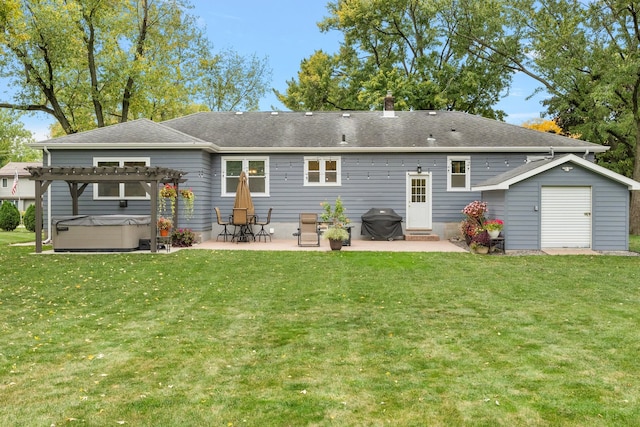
243,195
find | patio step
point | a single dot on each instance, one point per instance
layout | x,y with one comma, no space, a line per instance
421,236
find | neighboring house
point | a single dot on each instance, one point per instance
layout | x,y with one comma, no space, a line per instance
23,193
426,165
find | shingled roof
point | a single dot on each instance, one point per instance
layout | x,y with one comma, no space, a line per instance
141,132
529,169
410,131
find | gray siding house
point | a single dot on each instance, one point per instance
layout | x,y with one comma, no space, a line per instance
426,165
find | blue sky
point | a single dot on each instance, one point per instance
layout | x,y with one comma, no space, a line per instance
286,32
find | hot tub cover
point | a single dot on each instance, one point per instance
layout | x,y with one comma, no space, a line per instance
89,220
99,232
382,224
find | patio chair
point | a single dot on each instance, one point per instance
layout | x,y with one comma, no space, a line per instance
263,232
308,230
242,229
224,232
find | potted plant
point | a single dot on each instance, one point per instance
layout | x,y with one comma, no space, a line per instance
493,227
480,241
336,235
474,220
337,219
478,248
164,225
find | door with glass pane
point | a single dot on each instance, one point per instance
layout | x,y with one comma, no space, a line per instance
418,201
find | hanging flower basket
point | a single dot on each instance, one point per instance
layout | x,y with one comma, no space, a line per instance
189,199
168,191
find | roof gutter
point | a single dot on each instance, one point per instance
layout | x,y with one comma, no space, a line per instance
206,146
213,148
49,222
371,150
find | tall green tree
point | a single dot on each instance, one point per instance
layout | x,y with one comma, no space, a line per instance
231,81
91,63
586,55
318,87
405,46
14,139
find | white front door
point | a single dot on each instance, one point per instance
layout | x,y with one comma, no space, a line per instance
418,201
565,215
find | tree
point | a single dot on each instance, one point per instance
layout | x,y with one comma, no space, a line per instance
91,63
542,125
9,216
233,82
318,86
405,46
29,218
587,56
14,139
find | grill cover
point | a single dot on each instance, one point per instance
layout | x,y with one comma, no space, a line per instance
382,224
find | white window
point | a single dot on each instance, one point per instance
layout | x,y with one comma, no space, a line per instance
119,190
5,182
459,173
322,171
256,169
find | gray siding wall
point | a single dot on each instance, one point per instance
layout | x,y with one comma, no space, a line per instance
368,181
194,162
610,209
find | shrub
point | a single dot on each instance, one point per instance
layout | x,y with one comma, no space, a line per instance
473,224
9,216
183,237
29,218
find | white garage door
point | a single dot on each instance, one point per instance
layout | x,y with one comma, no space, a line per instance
566,217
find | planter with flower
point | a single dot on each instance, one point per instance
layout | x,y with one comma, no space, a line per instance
480,242
188,198
164,225
472,227
337,219
168,191
494,227
183,237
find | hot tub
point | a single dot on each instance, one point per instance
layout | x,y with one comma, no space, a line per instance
100,233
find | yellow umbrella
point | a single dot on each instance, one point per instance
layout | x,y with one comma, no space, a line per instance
243,195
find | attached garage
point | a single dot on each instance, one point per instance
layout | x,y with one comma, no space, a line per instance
561,202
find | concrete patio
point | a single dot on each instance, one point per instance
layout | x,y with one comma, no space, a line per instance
356,245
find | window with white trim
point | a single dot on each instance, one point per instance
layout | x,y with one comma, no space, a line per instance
322,171
458,173
256,169
119,190
5,183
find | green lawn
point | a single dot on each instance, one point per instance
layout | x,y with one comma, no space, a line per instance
252,338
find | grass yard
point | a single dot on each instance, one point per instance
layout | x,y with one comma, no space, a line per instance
251,338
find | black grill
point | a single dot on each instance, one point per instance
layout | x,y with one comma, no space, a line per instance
382,224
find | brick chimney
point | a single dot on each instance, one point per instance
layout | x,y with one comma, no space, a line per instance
388,105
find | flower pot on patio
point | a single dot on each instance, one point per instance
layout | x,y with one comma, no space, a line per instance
335,244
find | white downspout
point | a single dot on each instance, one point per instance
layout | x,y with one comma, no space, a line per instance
48,239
